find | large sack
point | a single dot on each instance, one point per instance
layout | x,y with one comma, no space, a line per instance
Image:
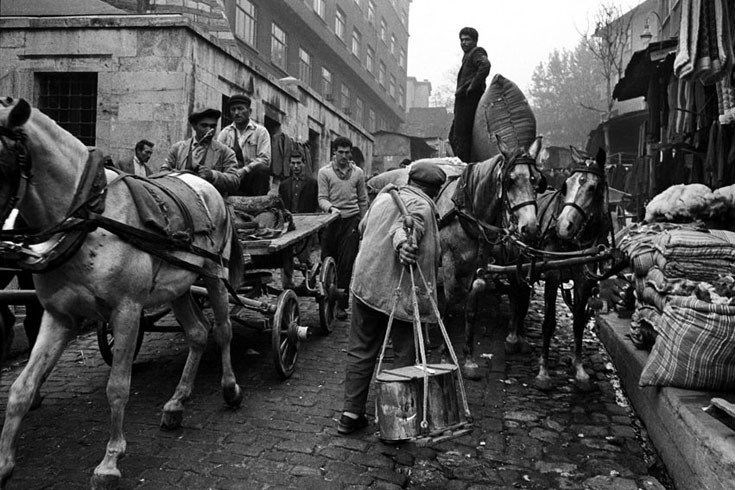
452,166
503,110
695,347
685,203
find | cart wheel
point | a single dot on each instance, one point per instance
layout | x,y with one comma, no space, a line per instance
106,339
284,333
328,295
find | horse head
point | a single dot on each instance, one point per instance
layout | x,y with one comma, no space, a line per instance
39,163
584,194
520,181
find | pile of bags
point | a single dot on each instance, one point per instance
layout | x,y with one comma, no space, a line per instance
685,300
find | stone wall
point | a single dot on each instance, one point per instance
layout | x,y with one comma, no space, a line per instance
152,72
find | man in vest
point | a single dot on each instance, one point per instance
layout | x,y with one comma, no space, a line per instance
208,158
252,146
470,87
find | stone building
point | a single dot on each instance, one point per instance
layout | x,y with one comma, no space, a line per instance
116,71
417,93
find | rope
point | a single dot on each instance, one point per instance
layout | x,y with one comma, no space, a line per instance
418,335
396,297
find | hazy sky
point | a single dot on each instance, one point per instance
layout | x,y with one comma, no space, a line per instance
517,34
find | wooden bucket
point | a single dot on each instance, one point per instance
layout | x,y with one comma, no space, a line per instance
399,401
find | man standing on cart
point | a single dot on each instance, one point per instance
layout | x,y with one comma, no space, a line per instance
385,252
252,146
342,190
299,195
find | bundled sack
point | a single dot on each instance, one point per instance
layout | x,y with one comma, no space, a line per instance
695,255
502,110
638,242
260,217
685,203
695,347
643,325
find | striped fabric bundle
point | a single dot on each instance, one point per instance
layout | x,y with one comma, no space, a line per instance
695,347
502,110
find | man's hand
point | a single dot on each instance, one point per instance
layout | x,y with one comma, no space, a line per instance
205,173
407,253
333,210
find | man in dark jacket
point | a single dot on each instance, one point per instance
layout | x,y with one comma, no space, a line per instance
470,87
299,195
137,164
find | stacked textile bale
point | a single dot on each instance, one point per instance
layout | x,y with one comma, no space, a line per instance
684,275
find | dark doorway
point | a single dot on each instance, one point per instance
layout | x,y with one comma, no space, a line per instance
314,150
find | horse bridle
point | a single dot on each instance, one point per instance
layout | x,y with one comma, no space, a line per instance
511,209
582,212
22,163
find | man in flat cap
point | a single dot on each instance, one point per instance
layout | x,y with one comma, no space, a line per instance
470,87
208,158
386,249
252,146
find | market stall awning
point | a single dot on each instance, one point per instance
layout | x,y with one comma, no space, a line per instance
640,67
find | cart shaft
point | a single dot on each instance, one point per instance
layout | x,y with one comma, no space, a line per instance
250,304
16,296
545,265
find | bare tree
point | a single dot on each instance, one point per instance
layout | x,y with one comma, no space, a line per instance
443,94
608,42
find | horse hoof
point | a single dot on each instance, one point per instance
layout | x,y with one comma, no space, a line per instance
233,395
471,370
172,419
511,347
105,481
542,384
584,386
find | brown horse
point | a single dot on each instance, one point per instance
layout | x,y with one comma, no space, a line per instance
500,192
573,218
105,279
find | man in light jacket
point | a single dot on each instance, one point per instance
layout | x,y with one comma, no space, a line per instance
384,251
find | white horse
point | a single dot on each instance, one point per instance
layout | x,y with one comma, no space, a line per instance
105,279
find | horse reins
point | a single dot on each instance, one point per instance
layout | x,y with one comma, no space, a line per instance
23,165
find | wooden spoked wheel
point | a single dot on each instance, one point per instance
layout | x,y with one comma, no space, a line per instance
328,295
284,334
106,337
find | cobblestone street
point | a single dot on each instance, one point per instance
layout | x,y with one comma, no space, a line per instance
285,433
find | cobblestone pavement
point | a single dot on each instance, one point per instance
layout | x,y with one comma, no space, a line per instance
285,433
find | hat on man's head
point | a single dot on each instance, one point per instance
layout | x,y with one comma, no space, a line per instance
239,99
427,173
197,116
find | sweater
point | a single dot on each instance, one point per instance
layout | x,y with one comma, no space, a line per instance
349,194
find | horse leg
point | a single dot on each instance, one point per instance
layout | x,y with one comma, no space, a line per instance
583,290
520,297
543,380
125,321
52,338
231,391
471,369
196,328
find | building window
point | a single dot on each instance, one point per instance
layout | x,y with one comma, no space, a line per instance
371,12
383,30
70,99
304,66
402,57
359,110
401,97
345,98
371,120
393,44
370,60
356,41
381,74
278,46
319,8
245,24
339,23
326,83
392,86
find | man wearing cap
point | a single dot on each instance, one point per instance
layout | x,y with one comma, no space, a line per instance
208,158
252,146
470,87
386,249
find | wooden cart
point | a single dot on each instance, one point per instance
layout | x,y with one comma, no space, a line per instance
282,319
